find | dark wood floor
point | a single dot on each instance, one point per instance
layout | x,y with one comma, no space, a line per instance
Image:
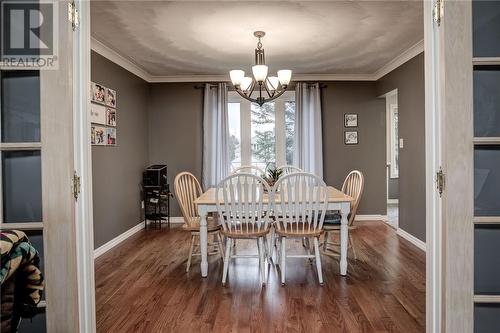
142,286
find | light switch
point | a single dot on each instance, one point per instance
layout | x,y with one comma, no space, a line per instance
401,143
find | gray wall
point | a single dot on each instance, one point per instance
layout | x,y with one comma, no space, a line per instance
369,156
117,171
409,80
162,123
176,130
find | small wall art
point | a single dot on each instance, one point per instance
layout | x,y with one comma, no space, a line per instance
102,115
98,135
98,114
111,117
110,136
351,137
351,120
110,98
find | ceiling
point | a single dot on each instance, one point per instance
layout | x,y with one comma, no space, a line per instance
210,38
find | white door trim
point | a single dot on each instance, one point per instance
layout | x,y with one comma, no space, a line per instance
432,163
83,167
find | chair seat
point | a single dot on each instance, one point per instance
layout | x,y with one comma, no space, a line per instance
212,225
246,235
299,230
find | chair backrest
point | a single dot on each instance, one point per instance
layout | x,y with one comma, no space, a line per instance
187,190
288,169
240,203
300,202
255,170
353,186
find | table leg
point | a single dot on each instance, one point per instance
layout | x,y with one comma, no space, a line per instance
344,237
203,241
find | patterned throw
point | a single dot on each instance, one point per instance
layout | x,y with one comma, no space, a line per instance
19,257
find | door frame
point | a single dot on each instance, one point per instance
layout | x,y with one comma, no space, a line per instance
436,307
83,168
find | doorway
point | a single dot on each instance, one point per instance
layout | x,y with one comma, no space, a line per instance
392,157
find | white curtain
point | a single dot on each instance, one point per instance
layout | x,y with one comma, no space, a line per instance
308,128
215,135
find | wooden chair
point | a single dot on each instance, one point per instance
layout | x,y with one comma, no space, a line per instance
243,216
353,186
300,205
255,170
288,169
187,190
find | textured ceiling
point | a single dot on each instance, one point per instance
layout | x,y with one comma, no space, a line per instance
193,38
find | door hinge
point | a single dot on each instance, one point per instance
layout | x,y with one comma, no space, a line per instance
73,15
76,185
438,11
440,181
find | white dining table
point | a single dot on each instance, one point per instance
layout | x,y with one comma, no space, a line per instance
337,200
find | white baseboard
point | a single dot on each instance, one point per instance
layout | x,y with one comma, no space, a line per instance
412,239
117,240
371,217
176,220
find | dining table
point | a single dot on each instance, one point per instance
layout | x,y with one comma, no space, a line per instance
337,200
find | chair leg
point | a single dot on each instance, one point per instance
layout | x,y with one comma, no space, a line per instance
283,260
190,255
271,246
318,260
351,241
221,246
325,241
226,261
260,246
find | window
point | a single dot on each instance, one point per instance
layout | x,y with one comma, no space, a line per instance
261,136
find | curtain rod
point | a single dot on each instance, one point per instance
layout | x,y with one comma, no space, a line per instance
202,86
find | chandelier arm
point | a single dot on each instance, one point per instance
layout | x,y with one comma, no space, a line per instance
245,96
252,88
276,95
268,92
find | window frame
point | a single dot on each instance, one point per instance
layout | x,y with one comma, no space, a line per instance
246,126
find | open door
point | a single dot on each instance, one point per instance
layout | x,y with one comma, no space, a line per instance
449,165
37,149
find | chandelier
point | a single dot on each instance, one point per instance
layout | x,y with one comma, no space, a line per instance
266,88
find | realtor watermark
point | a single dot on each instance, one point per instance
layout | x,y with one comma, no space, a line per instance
29,34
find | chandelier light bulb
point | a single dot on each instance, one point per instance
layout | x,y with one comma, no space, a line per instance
259,72
246,83
272,83
284,75
237,76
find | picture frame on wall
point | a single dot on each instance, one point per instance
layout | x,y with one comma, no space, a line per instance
350,120
111,136
351,137
98,114
98,135
111,98
110,117
98,93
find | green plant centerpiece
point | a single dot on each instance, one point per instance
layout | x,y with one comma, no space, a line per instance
272,176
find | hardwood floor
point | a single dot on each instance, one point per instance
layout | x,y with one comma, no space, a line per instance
142,286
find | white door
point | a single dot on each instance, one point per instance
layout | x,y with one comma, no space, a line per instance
37,155
449,146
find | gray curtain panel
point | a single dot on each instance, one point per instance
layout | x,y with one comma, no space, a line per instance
216,161
308,128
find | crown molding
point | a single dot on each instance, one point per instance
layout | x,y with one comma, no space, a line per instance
134,68
112,55
189,78
399,60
